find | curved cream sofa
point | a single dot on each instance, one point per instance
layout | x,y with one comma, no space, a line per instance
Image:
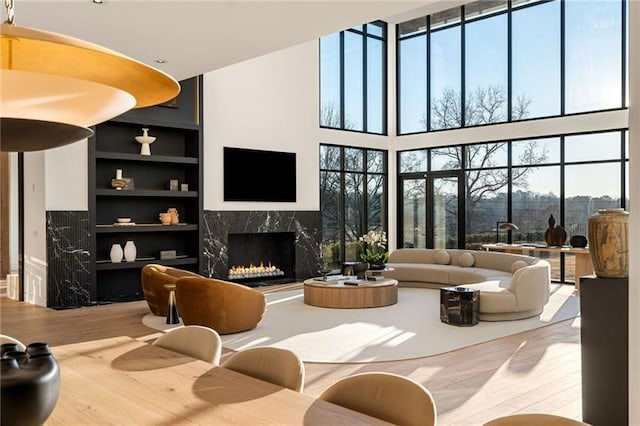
512,286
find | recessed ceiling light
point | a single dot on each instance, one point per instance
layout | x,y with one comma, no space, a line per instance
160,61
98,1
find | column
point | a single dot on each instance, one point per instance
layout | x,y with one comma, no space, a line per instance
634,219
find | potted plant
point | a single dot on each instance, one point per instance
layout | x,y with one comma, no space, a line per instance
373,248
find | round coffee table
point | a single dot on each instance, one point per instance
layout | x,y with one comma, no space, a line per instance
337,294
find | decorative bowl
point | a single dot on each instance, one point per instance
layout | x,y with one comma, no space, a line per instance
579,241
124,219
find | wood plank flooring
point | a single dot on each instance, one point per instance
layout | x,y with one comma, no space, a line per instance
535,371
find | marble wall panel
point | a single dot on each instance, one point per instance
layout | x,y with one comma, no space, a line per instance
68,260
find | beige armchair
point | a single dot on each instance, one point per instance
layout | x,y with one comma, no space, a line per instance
154,277
224,306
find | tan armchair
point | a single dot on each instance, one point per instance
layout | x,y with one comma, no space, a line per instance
224,306
154,277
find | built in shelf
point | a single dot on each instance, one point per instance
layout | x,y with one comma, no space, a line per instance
105,192
148,122
146,158
108,266
144,227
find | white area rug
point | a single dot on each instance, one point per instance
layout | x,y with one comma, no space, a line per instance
159,323
409,329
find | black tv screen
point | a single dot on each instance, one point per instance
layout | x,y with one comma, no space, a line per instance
257,175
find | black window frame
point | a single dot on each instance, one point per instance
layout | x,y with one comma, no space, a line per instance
366,35
509,89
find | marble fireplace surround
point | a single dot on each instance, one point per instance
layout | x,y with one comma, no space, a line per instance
306,225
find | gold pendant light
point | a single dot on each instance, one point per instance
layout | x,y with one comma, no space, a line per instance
53,87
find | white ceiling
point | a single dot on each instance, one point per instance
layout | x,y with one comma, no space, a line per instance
200,36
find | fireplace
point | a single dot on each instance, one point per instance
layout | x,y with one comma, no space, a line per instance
261,258
221,226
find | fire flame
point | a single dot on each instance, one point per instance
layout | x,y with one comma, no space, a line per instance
253,271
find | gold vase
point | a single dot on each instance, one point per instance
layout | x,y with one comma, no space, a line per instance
608,243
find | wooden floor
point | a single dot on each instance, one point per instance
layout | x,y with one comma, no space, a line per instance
535,371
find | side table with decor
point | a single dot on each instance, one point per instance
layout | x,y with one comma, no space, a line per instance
459,306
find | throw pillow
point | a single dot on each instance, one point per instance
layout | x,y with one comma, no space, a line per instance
443,258
517,265
466,260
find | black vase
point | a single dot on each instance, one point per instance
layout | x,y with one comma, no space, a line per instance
579,241
8,347
360,268
29,386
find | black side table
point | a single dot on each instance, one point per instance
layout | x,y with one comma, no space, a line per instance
459,306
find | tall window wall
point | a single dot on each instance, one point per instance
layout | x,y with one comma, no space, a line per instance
353,82
526,181
497,61
353,199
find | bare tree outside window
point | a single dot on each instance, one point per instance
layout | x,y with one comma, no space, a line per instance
485,105
330,117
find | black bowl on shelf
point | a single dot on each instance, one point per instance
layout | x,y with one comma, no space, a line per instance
578,241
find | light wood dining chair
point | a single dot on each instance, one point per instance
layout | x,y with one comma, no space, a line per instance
281,367
534,419
195,341
390,397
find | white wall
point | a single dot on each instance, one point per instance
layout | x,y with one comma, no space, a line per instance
35,237
66,177
534,128
270,102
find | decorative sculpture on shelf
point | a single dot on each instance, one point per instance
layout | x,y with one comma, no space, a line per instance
145,140
118,183
609,243
578,241
555,236
170,217
175,217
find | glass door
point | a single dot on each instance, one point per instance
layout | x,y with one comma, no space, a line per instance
413,214
444,207
431,211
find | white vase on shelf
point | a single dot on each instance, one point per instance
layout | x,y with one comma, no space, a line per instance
130,251
145,140
116,253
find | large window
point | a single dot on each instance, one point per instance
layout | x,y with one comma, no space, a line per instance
523,182
353,199
353,86
497,61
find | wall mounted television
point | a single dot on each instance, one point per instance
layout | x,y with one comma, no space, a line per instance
258,175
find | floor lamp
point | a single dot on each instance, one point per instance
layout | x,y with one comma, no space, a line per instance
504,226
